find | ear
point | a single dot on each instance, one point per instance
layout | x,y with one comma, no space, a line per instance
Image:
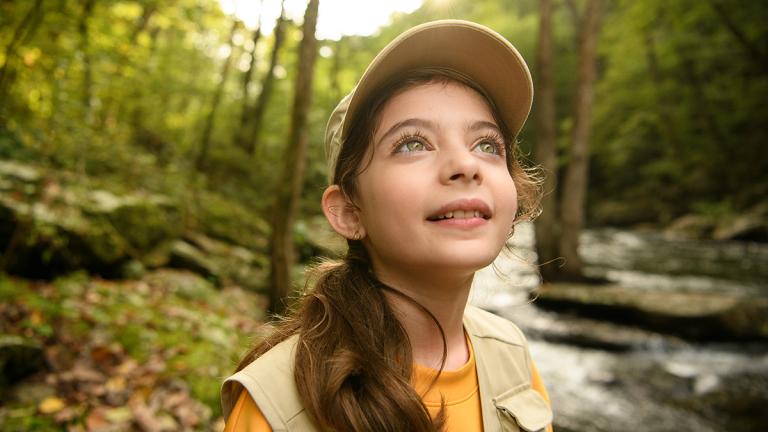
342,214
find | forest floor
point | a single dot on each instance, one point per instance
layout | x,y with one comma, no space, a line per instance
146,354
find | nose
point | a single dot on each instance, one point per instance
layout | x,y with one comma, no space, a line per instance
459,165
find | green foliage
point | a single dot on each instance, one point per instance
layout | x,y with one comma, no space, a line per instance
677,104
25,419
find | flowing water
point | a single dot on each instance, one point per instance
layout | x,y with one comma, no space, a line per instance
662,383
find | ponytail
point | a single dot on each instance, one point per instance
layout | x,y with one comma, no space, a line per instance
353,359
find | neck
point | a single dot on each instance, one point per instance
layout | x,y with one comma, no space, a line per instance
445,299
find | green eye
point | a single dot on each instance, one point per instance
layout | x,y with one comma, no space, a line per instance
486,147
410,146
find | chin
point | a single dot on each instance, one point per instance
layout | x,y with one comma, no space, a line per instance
466,260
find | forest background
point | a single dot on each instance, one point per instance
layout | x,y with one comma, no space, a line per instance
138,135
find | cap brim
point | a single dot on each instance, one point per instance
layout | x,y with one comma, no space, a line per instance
474,50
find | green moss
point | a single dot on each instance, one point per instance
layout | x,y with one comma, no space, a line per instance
11,289
71,285
228,220
25,418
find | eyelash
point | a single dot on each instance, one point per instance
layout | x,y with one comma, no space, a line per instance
495,139
408,136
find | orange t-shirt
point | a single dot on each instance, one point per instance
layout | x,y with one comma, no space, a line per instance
459,388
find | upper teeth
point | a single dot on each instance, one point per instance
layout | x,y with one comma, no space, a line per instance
460,214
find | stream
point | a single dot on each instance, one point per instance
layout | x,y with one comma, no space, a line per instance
662,383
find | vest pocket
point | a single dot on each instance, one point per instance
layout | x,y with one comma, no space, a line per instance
522,408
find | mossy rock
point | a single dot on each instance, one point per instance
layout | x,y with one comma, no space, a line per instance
220,262
144,221
58,225
229,221
19,357
697,316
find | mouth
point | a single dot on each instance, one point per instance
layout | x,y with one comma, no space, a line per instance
462,209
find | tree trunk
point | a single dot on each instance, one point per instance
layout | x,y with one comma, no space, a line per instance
205,141
23,31
545,151
85,36
292,176
336,70
267,84
245,110
575,184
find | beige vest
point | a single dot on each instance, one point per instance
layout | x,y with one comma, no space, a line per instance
503,371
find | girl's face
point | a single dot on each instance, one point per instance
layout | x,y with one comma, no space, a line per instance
437,196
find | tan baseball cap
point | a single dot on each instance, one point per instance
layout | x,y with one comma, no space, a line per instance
471,49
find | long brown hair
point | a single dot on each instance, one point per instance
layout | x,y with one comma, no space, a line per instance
353,361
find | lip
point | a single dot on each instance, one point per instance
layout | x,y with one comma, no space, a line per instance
471,204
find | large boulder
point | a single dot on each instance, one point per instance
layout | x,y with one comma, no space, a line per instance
19,357
220,262
751,225
52,223
690,227
696,316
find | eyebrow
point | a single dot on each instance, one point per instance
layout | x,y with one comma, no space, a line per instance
483,124
427,124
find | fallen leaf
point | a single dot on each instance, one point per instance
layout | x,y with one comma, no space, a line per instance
82,373
67,414
187,415
92,389
118,415
79,428
155,364
149,422
175,399
50,405
127,367
36,317
115,384
101,355
96,419
140,395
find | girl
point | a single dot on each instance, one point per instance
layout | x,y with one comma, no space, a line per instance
426,187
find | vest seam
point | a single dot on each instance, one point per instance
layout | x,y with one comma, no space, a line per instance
504,341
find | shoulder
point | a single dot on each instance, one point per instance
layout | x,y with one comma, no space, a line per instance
273,370
280,356
483,324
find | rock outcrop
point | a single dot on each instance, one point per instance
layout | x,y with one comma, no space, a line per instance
51,225
695,316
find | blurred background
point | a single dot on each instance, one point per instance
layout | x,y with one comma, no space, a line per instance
161,167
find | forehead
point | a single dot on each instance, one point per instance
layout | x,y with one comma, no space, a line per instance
444,103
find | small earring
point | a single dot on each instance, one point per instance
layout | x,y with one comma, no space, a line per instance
357,236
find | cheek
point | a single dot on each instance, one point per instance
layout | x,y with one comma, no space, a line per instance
380,200
509,202
391,189
514,198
